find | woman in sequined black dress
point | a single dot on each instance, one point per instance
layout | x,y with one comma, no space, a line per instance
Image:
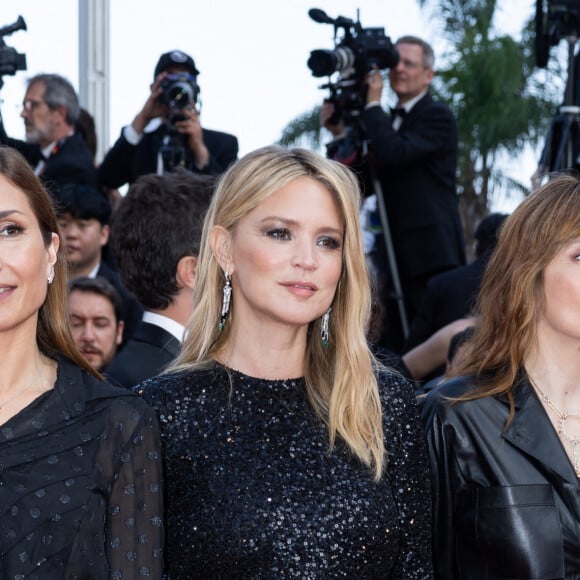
286,454
80,467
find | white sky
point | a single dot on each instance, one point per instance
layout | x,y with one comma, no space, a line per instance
251,54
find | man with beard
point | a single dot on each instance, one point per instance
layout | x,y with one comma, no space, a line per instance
94,308
58,154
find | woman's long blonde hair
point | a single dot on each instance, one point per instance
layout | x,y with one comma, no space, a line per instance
340,380
511,298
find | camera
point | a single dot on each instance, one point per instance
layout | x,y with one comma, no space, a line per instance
179,92
555,19
354,55
11,60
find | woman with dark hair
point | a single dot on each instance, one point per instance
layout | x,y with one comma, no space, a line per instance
80,481
504,436
288,450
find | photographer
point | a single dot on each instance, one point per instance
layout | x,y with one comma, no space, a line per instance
413,152
164,135
53,147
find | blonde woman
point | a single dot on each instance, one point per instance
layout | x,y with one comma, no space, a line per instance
287,453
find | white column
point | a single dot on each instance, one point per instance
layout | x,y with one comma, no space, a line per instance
94,69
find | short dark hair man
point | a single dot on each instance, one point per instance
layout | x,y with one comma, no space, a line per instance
155,129
84,216
155,238
54,149
94,309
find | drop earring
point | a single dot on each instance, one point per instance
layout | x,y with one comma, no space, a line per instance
227,296
324,334
51,274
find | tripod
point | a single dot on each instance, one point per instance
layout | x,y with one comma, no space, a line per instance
397,291
357,148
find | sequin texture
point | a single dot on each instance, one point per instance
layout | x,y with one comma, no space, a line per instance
252,490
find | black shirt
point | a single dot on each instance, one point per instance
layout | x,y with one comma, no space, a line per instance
253,492
80,484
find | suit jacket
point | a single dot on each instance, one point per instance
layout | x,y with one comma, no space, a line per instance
148,352
70,162
416,168
506,499
125,162
449,296
132,311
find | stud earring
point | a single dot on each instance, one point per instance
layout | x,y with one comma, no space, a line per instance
227,296
51,274
324,334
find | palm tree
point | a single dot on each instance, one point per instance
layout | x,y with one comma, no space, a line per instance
499,99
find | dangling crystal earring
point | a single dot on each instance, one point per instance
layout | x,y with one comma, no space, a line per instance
51,274
227,295
324,335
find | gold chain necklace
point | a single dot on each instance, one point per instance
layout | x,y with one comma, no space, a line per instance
562,433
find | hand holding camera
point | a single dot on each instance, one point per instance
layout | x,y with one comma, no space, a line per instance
153,106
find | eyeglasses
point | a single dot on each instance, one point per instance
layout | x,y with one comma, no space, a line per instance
410,64
30,105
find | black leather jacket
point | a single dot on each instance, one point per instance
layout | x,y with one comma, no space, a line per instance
506,500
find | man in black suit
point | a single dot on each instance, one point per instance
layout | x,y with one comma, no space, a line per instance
168,134
452,295
155,238
414,156
58,154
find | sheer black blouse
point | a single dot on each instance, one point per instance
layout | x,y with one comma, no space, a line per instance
253,492
80,484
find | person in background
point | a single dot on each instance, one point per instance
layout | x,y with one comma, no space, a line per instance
413,153
94,309
85,125
53,147
288,450
452,295
155,238
81,481
167,133
84,217
504,435
458,350
423,360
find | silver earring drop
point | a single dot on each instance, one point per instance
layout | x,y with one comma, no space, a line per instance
227,296
324,334
51,274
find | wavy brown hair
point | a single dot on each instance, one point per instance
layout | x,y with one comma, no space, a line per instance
340,380
52,333
511,298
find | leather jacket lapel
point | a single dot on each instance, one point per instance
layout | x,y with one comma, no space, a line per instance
533,433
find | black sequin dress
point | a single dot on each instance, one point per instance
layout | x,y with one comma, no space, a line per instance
80,485
252,491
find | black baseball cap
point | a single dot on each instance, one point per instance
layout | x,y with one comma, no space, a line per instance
175,58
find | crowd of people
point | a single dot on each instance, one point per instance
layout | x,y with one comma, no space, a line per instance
212,375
